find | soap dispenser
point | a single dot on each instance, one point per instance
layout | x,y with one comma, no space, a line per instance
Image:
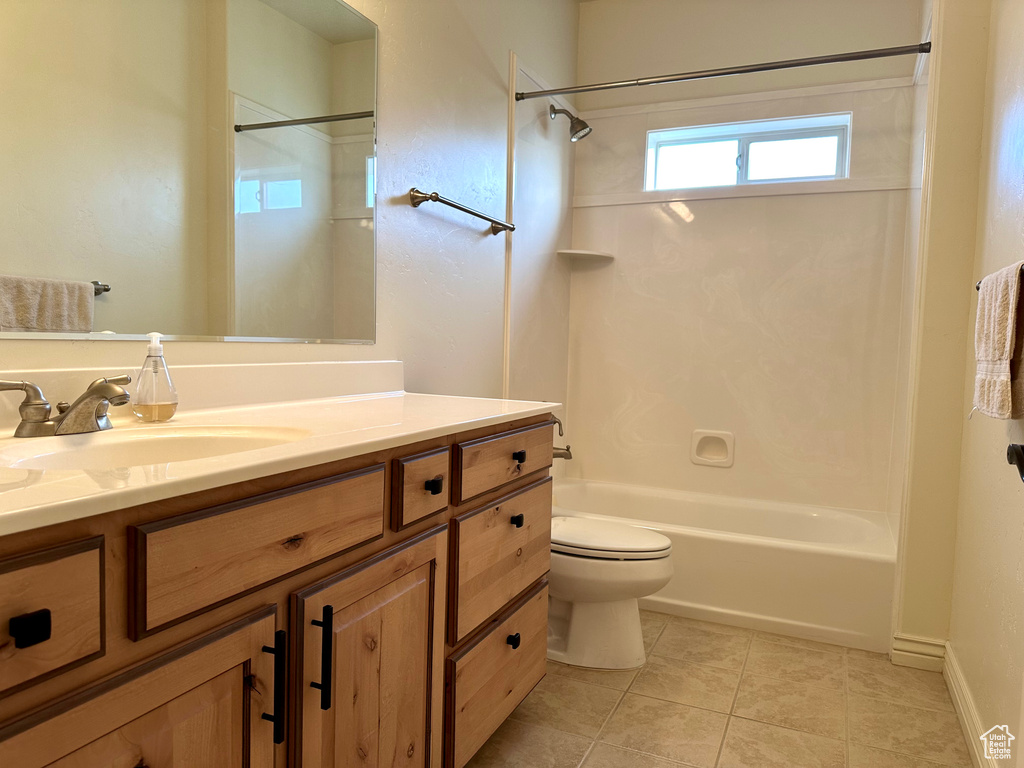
155,397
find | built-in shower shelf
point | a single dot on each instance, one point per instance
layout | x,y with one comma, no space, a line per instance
587,255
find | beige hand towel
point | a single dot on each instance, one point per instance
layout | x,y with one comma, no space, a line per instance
41,304
996,394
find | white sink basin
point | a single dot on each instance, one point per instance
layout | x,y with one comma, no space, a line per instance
140,447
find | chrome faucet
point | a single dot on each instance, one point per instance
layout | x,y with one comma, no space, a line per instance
87,414
561,453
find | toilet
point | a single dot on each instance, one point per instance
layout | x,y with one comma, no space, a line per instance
599,569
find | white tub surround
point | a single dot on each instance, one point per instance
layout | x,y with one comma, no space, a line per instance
815,572
315,429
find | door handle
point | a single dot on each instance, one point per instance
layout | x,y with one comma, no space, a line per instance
279,650
326,624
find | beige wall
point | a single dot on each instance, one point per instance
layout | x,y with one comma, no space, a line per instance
95,150
539,333
277,62
942,307
440,275
987,626
619,43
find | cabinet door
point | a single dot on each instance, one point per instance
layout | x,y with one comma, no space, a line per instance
199,705
371,647
203,728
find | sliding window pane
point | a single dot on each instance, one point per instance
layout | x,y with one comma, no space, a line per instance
793,158
703,164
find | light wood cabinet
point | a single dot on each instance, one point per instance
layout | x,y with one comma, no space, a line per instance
200,705
370,644
497,552
299,620
494,672
51,612
203,728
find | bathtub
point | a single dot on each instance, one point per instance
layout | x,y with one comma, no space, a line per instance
814,572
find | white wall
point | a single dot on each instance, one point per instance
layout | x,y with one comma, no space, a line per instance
987,626
443,126
776,317
619,42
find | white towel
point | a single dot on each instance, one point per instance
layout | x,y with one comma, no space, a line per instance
997,389
41,304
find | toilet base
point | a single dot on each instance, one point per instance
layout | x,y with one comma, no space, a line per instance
596,635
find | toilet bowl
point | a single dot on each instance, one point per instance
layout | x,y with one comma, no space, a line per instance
599,570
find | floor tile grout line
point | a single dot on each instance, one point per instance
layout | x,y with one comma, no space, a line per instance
846,705
735,696
903,703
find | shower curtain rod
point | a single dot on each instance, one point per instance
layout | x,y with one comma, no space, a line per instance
302,121
878,53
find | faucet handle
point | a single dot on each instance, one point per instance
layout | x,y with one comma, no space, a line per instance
558,423
120,381
34,408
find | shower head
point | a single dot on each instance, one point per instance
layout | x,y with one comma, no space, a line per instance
577,128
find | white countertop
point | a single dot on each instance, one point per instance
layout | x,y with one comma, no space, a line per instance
338,428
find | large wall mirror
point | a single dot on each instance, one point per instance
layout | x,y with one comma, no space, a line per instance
121,164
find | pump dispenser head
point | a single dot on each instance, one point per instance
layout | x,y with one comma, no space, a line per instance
155,347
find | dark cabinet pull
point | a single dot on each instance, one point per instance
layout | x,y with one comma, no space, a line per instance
1015,456
326,624
518,520
514,640
435,485
30,629
279,650
519,457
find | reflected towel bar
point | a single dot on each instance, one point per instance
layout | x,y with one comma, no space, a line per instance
497,226
303,121
99,288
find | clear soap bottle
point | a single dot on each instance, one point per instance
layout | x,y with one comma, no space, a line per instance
155,397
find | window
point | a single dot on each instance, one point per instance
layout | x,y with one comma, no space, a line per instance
811,148
258,195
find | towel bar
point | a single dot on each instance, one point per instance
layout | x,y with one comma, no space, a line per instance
1015,456
99,287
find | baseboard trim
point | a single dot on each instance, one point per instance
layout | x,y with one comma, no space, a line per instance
966,711
834,635
918,652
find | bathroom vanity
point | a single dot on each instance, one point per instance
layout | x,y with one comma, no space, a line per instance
370,594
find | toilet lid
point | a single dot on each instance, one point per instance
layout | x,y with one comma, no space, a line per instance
586,537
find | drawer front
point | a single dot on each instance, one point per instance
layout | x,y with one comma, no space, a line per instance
51,605
488,679
419,487
485,464
188,563
499,551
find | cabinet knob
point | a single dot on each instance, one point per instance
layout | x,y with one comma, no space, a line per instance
435,485
519,457
518,520
30,629
514,640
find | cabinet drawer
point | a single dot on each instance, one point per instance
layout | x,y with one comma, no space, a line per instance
490,677
484,464
191,562
51,605
419,487
498,552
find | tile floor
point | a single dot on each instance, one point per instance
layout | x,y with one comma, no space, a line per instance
714,696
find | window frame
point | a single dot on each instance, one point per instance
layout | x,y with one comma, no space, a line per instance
837,124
